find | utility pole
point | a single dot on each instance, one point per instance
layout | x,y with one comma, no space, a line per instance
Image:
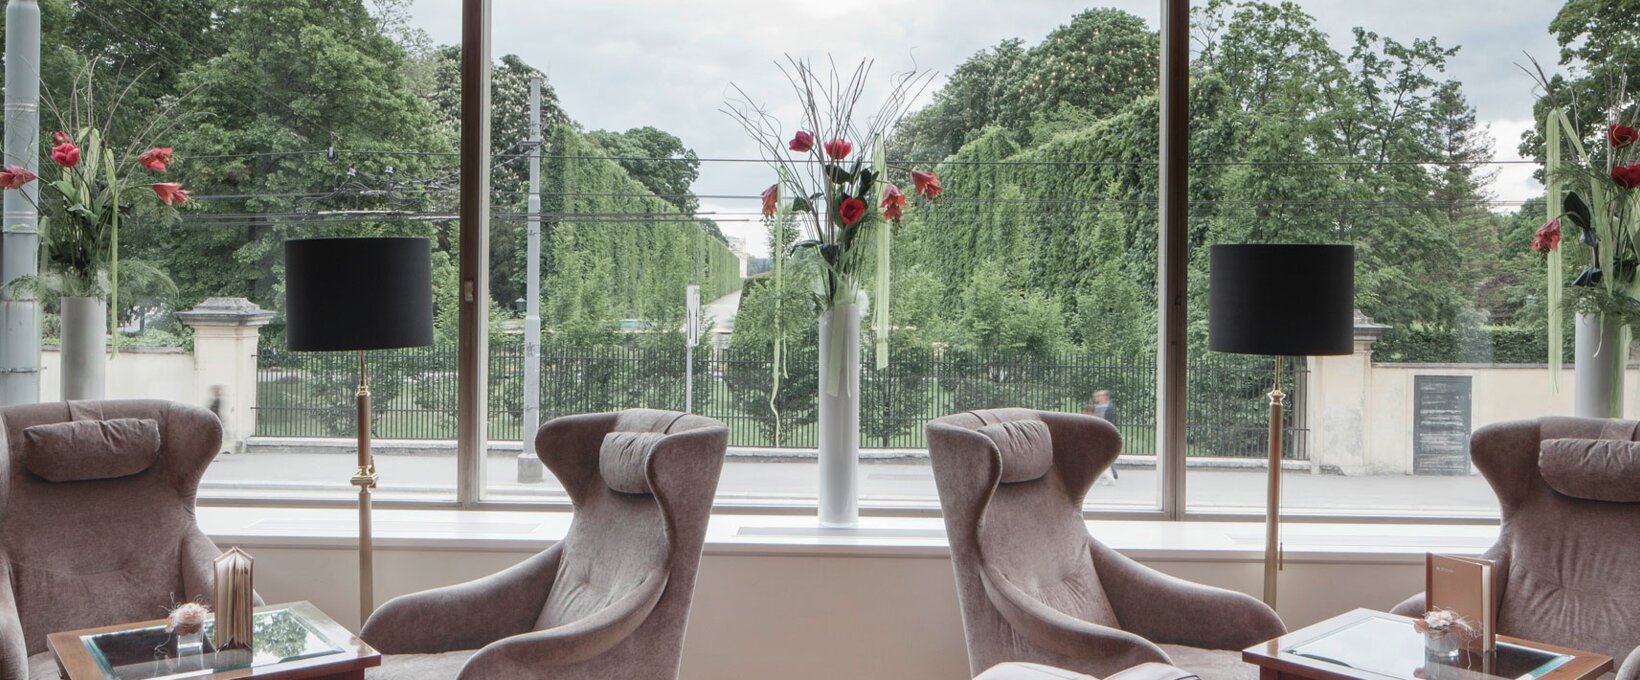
20,230
529,466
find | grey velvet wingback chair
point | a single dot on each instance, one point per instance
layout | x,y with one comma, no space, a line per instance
1036,587
97,519
611,599
1569,546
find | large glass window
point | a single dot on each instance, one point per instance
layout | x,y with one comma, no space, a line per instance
619,185
1397,133
280,120
1031,282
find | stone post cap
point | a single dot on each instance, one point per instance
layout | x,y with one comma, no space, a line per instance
226,311
1366,330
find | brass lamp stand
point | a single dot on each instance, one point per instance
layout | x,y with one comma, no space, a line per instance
354,295
1280,300
1272,505
365,478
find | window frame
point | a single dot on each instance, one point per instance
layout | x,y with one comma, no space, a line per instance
1172,351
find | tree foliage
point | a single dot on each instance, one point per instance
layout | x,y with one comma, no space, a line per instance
620,251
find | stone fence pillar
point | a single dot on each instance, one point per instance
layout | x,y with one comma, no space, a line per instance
1336,403
226,331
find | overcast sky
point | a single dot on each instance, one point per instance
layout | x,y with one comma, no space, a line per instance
618,64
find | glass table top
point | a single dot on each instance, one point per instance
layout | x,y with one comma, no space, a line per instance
1389,646
280,636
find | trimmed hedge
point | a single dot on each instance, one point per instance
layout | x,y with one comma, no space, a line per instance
1475,346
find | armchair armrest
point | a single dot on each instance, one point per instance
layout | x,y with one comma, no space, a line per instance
1165,609
13,650
1414,607
1154,671
467,615
1062,633
1629,669
570,643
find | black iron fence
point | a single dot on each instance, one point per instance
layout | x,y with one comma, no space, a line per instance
311,394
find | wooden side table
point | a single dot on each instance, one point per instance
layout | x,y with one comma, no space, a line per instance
291,641
1371,645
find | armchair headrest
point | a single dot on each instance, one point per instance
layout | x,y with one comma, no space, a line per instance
83,450
623,458
1026,448
1593,469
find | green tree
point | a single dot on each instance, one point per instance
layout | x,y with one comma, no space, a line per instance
778,392
293,77
1100,62
976,95
658,160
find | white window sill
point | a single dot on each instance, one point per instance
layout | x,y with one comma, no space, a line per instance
911,537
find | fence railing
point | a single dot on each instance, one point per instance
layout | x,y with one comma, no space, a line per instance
311,394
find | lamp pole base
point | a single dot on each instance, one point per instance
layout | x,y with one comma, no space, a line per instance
1272,508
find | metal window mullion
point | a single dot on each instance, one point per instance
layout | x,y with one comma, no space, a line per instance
472,354
1173,247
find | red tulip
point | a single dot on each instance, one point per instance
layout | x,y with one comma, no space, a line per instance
156,159
771,197
927,184
851,210
171,193
1621,136
1547,237
14,177
838,149
1627,176
893,201
66,154
60,137
801,142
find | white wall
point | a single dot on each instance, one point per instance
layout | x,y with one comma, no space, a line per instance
814,617
137,373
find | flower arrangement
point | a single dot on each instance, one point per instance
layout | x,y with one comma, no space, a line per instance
1600,203
81,213
1592,182
1443,632
835,181
187,618
90,191
1440,622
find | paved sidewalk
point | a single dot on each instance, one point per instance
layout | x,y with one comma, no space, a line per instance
311,475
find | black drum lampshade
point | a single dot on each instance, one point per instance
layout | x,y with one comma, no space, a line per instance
358,293
1281,299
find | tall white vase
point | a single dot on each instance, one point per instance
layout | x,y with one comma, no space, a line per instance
840,416
1601,360
85,345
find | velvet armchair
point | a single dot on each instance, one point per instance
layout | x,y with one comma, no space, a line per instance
611,599
1033,671
97,519
1034,585
1569,491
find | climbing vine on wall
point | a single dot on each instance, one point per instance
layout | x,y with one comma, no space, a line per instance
615,250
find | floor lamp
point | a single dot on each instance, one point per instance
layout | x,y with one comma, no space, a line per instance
1280,300
358,294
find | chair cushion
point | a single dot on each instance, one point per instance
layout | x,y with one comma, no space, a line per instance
1026,448
1211,664
419,666
622,458
1593,469
43,666
91,449
1030,671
